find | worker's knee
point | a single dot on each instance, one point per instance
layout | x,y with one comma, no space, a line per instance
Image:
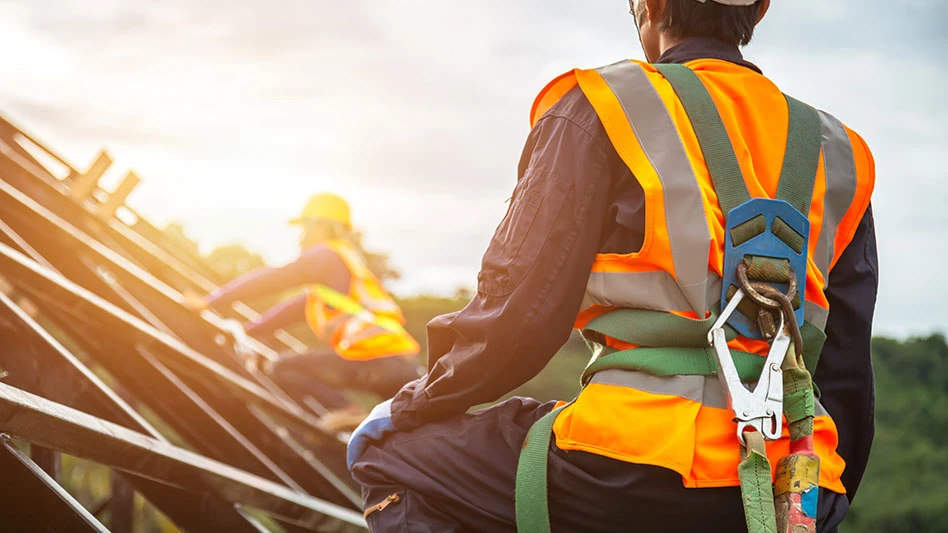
387,376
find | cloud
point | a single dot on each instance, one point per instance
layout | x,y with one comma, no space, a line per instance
235,110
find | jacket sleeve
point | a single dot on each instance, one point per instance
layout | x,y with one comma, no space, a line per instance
532,278
844,373
315,265
292,311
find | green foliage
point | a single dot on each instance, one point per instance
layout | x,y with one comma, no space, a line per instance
176,233
419,310
906,488
558,381
91,485
234,260
379,263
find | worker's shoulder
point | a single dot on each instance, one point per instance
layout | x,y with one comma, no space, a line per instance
860,148
575,110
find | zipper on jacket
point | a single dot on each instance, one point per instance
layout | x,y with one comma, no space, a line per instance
381,506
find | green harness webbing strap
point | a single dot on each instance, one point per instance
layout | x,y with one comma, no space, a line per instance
712,136
668,362
802,157
753,472
532,507
674,345
645,327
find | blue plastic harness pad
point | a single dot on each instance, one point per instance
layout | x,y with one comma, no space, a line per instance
763,244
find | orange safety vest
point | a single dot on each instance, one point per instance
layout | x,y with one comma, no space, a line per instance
363,324
682,422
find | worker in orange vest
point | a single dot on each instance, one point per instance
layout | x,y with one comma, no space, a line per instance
365,347
703,231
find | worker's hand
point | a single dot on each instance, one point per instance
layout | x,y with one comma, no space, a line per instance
243,347
373,429
193,301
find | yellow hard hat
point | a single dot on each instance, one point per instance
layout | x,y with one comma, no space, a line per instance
327,206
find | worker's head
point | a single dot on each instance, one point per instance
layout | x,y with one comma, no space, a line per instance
663,23
325,217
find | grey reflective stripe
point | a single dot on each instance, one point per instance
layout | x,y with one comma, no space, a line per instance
815,315
358,335
373,305
684,205
688,387
645,290
705,390
841,183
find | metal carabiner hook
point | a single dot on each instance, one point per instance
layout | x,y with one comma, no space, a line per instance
761,408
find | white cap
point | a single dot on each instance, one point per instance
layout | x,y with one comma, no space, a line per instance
732,2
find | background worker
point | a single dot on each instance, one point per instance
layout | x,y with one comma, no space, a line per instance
366,348
585,233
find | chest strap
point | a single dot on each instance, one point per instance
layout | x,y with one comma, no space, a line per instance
671,345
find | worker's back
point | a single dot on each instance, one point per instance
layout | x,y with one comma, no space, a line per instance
683,422
364,323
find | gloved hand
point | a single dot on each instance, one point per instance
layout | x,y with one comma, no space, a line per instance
193,301
243,347
373,429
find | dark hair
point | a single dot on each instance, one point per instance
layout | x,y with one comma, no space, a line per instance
692,18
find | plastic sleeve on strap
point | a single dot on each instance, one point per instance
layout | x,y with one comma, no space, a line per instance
767,269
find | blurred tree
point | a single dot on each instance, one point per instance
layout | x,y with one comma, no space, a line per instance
176,233
378,263
234,260
906,487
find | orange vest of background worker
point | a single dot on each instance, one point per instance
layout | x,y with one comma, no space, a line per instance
365,347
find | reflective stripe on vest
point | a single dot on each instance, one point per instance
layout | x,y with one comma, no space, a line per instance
656,149
841,173
364,324
705,390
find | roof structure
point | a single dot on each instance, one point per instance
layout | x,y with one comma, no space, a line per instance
101,361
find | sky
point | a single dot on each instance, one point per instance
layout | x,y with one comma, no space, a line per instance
233,112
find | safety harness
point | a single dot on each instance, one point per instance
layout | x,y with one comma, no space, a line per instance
764,279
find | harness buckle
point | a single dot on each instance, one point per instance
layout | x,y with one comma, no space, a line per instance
761,408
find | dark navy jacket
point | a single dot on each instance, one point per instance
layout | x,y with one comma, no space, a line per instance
576,198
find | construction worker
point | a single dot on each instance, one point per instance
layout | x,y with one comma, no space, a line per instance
633,189
366,347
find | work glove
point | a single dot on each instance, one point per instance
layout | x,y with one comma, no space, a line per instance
242,344
374,428
193,301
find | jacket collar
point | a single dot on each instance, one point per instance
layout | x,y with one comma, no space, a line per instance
705,48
